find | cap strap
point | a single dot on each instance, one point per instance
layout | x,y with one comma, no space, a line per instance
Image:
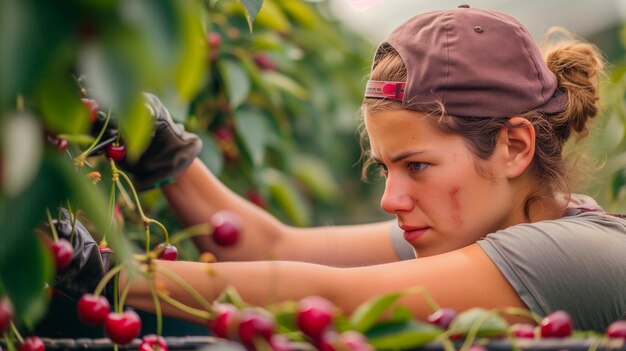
385,90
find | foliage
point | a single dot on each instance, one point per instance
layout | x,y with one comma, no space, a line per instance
273,92
272,87
607,142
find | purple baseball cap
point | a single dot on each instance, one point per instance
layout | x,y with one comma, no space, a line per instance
478,63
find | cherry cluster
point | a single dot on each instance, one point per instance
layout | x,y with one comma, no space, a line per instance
314,318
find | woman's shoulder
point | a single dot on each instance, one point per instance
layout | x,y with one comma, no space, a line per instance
564,263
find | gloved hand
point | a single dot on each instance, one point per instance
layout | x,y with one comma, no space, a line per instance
88,263
170,151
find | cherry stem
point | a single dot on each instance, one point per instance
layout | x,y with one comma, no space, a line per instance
187,287
8,341
73,217
432,305
147,221
17,334
181,306
157,309
146,227
189,232
516,311
107,277
447,344
80,159
471,334
52,226
111,211
123,296
162,227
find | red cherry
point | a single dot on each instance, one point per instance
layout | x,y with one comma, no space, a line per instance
280,343
116,152
558,324
153,342
617,330
253,325
92,309
264,62
256,198
63,253
226,228
223,134
354,341
214,39
523,331
169,252
442,317
327,341
92,105
6,314
315,314
122,328
62,145
226,322
32,343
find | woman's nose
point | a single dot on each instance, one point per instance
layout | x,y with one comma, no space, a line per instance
396,197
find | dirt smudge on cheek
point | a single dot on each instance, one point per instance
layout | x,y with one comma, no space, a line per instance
455,205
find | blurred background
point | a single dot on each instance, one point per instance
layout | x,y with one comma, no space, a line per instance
272,87
589,19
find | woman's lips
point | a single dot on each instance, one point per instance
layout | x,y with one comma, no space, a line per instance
413,233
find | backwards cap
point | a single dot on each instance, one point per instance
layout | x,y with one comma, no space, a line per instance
478,63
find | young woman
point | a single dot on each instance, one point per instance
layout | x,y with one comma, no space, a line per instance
467,123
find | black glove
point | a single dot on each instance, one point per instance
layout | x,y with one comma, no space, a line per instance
170,152
88,264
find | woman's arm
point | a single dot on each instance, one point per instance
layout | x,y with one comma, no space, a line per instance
460,279
197,194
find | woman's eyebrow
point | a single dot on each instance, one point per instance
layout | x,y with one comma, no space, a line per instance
401,156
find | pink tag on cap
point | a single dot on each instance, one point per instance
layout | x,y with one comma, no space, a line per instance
385,90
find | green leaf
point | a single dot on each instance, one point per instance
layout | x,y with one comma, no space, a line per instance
30,33
252,130
285,315
488,322
285,193
273,17
211,155
400,314
59,98
368,313
316,177
136,127
252,10
21,151
402,335
285,84
191,66
231,296
301,12
24,265
236,81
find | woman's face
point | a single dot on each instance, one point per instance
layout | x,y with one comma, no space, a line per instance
433,185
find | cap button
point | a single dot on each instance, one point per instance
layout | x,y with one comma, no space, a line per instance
464,6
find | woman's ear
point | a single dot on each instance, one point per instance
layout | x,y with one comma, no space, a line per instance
520,145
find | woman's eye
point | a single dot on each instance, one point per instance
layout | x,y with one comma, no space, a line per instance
417,166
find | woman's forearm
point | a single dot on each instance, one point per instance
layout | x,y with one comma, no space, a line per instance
467,271
259,283
197,194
